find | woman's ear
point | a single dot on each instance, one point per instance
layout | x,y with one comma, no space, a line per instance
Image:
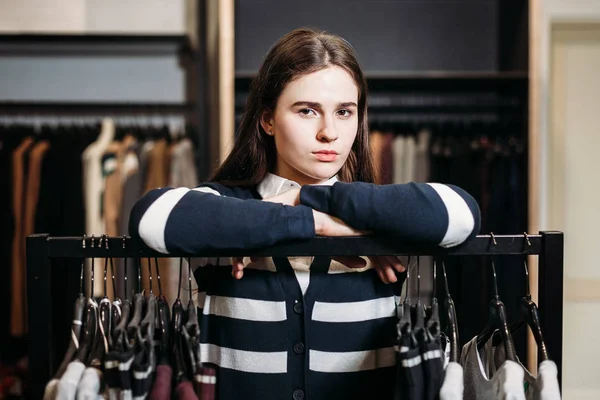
266,121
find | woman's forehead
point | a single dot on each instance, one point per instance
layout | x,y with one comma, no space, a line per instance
328,86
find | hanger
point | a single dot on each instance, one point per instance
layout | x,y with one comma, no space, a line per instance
91,322
177,324
192,329
405,324
101,345
76,324
452,321
117,303
145,334
418,311
432,313
163,319
529,316
497,319
138,309
119,334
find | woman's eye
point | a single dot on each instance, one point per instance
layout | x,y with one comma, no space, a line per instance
345,113
307,112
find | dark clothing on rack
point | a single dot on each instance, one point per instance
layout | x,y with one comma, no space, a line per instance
433,369
410,383
142,367
491,168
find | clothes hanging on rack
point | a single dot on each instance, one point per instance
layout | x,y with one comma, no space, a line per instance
488,159
453,386
54,178
544,387
506,384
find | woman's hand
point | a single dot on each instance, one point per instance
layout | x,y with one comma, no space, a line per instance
385,266
326,225
237,266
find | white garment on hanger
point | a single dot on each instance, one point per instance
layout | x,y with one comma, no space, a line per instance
93,186
453,387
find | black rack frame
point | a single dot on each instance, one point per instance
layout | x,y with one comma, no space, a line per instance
42,248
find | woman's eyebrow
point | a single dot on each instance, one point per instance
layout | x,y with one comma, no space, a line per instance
313,104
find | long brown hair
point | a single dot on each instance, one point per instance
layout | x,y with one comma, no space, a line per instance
298,53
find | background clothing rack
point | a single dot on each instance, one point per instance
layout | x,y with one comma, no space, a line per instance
42,249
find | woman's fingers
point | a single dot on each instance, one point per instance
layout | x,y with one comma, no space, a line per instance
381,275
386,267
351,261
396,263
237,267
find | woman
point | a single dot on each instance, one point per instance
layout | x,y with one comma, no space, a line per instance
300,167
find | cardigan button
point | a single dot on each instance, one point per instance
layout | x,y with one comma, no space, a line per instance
298,394
298,309
299,348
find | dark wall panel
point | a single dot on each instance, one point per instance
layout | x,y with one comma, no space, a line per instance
398,36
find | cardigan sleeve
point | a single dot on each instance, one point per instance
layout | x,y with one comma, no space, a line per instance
186,220
425,213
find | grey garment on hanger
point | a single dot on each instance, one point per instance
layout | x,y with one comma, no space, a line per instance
544,387
505,384
67,386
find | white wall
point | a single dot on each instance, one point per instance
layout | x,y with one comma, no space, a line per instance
565,118
95,16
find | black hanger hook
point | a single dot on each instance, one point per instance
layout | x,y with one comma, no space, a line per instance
150,274
105,268
445,279
497,296
418,278
407,278
160,292
434,278
180,278
82,267
525,265
189,260
93,270
125,268
139,271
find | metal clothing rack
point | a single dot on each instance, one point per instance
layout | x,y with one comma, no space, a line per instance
42,249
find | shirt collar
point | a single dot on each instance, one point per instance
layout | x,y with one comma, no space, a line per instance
272,185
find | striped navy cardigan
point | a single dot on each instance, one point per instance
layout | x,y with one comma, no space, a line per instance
282,331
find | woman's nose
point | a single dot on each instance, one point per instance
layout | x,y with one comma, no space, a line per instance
327,133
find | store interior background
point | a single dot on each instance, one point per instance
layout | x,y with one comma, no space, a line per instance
195,59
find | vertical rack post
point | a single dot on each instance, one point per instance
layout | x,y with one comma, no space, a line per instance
39,316
550,288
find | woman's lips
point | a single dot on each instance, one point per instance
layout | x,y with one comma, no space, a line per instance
326,156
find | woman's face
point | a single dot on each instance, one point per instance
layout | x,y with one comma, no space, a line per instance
314,125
